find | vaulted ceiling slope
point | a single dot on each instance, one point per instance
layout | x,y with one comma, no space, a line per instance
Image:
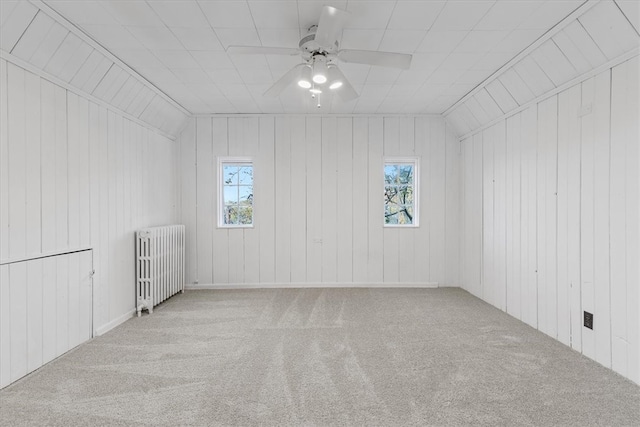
180,46
602,34
33,33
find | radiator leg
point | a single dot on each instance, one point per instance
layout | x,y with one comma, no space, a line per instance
139,308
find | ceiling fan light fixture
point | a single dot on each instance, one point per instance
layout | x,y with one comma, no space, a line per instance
320,71
315,91
304,81
335,78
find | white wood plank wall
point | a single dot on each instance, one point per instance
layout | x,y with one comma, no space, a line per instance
571,216
318,202
45,310
74,174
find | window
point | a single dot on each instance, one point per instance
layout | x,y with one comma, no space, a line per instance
235,192
400,192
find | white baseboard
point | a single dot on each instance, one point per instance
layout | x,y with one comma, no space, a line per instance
114,323
199,286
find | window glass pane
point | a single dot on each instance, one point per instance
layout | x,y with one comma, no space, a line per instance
230,194
405,195
390,174
230,174
237,193
245,215
230,215
391,194
246,194
404,217
245,175
399,193
405,174
391,214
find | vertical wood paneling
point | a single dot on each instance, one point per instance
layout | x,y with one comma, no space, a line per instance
71,179
329,204
236,246
546,215
48,168
102,288
205,215
477,209
265,197
624,219
514,219
320,171
49,310
35,319
499,215
73,167
17,161
437,202
568,217
314,201
391,245
376,192
18,319
95,213
30,315
220,236
32,168
406,237
633,215
587,203
530,283
422,258
298,193
4,164
61,164
5,327
573,164
188,194
360,199
344,198
84,173
73,307
251,235
452,210
466,224
488,219
283,199
601,149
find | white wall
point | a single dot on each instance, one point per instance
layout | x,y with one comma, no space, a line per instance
320,178
76,174
550,216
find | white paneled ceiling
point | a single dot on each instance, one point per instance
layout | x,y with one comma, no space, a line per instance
179,46
597,35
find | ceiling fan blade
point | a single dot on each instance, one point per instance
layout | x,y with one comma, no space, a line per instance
284,81
331,22
370,57
264,50
346,92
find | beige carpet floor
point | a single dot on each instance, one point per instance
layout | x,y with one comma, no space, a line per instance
371,357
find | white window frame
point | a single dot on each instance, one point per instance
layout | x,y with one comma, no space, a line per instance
232,160
415,161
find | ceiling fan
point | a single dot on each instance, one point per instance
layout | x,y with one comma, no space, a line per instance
320,52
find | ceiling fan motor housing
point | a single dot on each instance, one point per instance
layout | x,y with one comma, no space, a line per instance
308,43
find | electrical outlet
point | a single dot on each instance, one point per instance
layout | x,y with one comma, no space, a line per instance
588,320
